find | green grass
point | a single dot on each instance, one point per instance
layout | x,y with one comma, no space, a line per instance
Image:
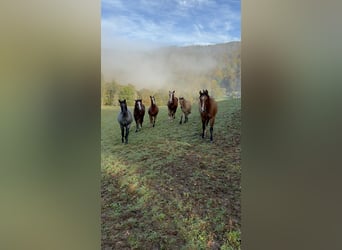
168,188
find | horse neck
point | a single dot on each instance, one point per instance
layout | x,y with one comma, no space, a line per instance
208,104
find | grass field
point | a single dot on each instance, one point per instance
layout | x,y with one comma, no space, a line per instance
168,188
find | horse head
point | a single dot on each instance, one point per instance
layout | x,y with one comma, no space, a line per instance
138,104
204,98
181,100
123,106
153,100
171,96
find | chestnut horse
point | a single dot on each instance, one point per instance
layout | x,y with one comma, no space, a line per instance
125,119
208,110
186,109
139,113
172,105
153,111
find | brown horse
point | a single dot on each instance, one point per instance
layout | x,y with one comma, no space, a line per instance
208,110
172,105
186,109
153,111
139,113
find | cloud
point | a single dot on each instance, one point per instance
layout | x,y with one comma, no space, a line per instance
172,22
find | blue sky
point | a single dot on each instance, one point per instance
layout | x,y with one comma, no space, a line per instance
170,22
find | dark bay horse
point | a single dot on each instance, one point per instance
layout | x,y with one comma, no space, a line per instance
125,119
153,111
186,109
172,105
208,110
139,113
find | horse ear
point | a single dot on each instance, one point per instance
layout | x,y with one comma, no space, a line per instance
173,91
200,92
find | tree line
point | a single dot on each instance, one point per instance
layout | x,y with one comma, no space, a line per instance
112,91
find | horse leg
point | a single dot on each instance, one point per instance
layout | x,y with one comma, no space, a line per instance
181,120
212,121
151,120
122,133
186,118
203,128
127,132
136,126
139,124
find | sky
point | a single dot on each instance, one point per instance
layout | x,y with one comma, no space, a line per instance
169,22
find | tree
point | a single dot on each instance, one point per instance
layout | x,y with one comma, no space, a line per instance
145,94
129,93
216,90
161,97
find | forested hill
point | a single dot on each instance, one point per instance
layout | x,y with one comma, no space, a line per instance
184,69
218,65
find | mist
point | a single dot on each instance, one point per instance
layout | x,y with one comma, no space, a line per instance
153,66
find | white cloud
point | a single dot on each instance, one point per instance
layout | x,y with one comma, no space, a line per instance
177,22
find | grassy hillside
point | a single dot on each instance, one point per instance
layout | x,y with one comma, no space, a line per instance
168,188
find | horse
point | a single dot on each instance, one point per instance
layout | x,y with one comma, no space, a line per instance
186,109
208,110
139,113
153,111
172,105
125,119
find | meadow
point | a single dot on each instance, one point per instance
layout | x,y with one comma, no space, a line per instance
168,188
